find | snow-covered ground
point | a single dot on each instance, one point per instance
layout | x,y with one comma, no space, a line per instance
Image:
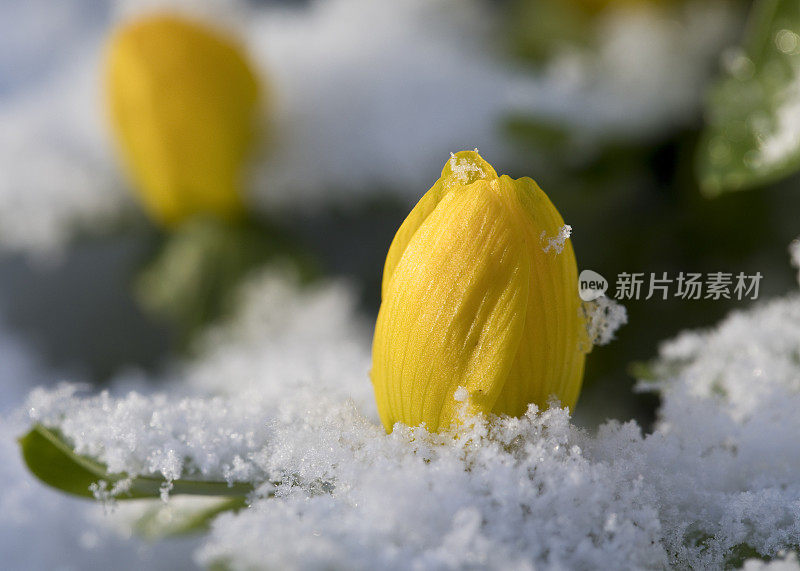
282,399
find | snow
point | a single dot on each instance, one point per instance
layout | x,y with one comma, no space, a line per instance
212,437
287,338
57,172
728,414
282,398
41,528
463,168
786,563
604,316
500,497
556,243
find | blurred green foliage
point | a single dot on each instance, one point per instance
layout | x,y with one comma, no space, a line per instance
752,135
539,28
193,276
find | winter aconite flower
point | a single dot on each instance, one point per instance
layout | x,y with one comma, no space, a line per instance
183,100
480,304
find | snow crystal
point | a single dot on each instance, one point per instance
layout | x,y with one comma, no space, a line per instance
556,243
156,435
463,168
603,317
515,494
461,394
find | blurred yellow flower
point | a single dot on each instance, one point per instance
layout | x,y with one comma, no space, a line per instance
480,305
183,104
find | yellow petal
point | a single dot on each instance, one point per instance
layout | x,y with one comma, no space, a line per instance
453,311
182,100
550,358
462,169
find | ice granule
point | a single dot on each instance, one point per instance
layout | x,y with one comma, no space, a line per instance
603,317
461,394
463,168
556,243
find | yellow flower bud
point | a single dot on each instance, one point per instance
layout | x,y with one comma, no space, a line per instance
183,102
475,295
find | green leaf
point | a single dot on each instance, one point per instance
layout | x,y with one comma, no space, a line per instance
182,516
752,136
51,459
